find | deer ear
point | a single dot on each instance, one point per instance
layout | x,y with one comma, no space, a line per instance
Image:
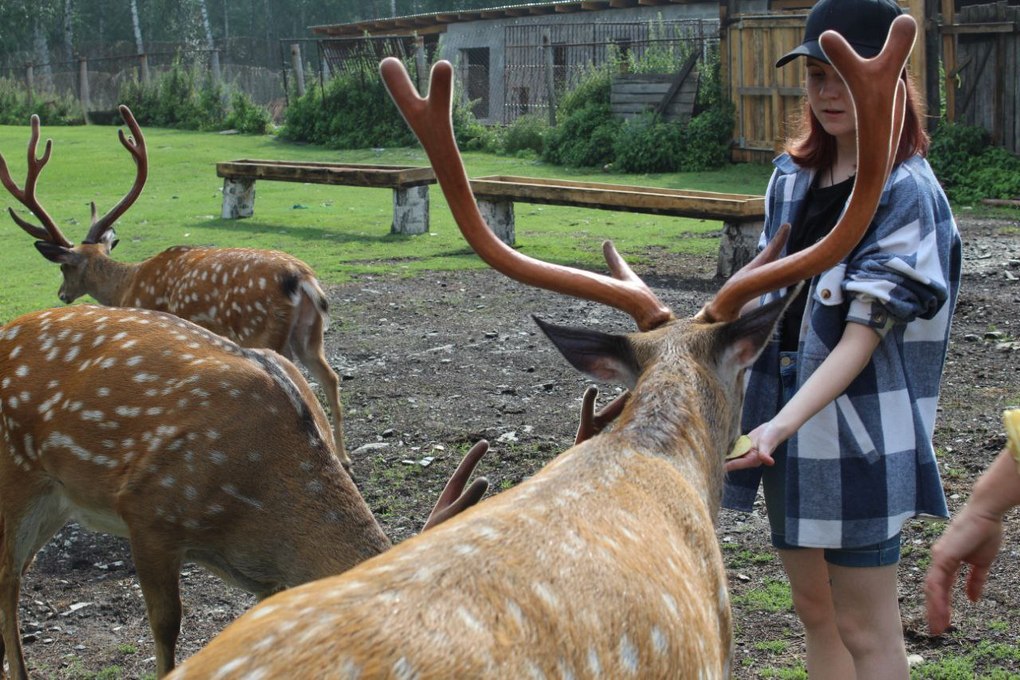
605,357
56,253
742,340
109,239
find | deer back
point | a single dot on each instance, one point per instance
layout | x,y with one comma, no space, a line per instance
250,296
127,417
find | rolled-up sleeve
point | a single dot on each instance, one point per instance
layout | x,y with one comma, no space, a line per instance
902,264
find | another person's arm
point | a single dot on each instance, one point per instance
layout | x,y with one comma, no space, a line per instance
974,535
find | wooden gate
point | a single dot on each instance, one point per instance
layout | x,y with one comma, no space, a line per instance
767,99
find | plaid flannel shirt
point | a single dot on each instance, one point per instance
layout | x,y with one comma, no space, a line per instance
865,463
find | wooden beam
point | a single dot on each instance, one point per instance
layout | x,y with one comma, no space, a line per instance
949,57
981,29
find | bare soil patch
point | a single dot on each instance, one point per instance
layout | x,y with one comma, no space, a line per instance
433,363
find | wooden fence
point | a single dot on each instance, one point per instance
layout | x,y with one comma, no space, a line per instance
767,99
986,72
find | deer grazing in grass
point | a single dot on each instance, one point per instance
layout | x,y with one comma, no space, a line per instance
605,563
257,298
144,425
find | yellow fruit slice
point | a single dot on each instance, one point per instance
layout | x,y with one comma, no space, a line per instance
1011,419
743,445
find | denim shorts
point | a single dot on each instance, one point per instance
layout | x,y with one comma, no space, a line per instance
774,487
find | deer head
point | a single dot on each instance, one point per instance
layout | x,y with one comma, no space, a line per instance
101,238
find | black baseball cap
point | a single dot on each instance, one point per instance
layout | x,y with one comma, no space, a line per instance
863,23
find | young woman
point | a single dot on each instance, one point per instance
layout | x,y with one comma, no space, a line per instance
840,409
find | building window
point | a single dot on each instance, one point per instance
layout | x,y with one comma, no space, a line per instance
475,62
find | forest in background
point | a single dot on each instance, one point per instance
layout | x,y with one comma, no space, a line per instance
46,32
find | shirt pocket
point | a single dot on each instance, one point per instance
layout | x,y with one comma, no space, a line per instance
829,290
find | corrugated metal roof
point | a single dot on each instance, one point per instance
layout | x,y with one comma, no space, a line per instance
437,21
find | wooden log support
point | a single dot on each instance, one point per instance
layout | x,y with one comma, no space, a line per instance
238,198
410,210
499,215
409,185
742,215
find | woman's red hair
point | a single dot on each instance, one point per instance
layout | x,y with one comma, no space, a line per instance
815,148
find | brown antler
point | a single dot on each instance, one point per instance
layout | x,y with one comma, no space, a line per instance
49,231
431,122
879,98
454,499
136,147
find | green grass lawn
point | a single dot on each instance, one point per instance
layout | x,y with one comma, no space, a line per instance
340,231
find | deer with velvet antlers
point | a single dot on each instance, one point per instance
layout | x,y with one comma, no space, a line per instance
144,425
605,563
257,298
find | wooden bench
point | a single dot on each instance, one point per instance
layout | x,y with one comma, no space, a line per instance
742,215
409,185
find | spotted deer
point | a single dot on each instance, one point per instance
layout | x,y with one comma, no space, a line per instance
144,425
257,298
605,563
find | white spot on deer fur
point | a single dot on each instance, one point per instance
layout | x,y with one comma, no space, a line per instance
469,620
670,603
594,665
154,411
134,361
403,670
13,402
29,445
516,613
21,371
15,352
98,340
659,641
228,668
12,332
60,440
72,354
107,362
628,655
5,383
144,377
218,457
128,411
92,415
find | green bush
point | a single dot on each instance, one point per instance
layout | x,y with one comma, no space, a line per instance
584,138
354,111
246,116
185,98
52,110
706,139
648,144
525,135
969,168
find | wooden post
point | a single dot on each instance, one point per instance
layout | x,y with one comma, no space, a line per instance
550,77
931,63
299,71
421,64
410,210
83,80
949,58
143,62
30,82
238,198
499,215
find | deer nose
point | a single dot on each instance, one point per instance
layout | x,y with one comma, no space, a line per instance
66,299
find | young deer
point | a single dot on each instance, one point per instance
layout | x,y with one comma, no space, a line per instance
257,298
605,563
144,425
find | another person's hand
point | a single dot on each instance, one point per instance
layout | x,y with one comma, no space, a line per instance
972,538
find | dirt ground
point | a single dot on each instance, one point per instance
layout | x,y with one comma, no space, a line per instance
433,363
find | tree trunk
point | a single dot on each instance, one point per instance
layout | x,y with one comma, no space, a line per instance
41,52
139,45
68,30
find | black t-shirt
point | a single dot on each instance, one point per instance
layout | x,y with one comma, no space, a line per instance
822,208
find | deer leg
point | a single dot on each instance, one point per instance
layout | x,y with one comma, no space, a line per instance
158,574
10,590
307,346
29,516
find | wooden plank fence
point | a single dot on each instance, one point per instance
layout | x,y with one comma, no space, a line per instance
987,70
671,96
